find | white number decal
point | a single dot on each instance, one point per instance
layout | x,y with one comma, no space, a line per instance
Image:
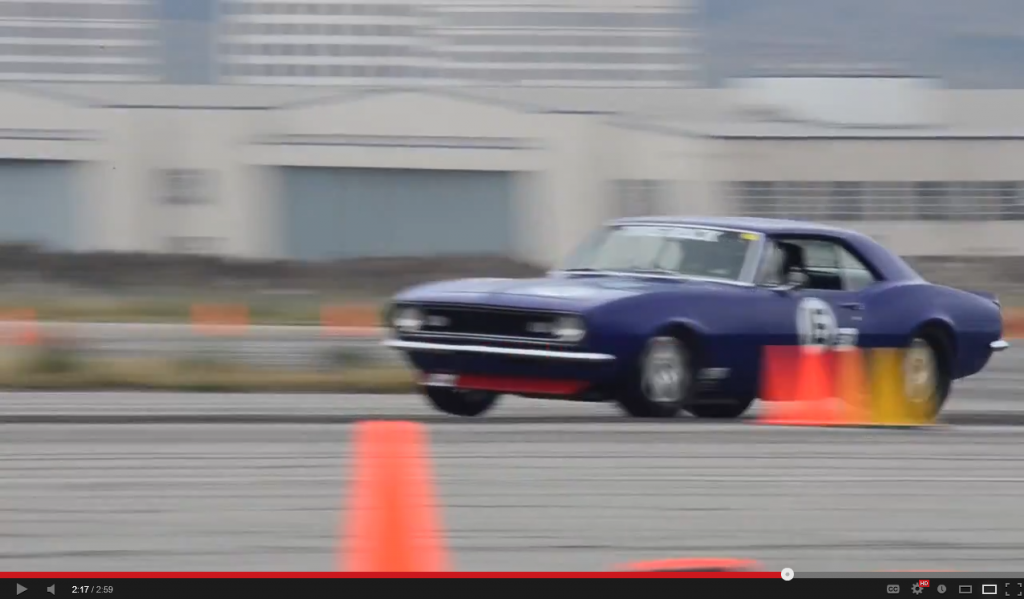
815,323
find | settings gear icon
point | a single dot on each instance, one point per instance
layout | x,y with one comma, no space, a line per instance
917,588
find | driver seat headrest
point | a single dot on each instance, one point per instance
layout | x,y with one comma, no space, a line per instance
793,256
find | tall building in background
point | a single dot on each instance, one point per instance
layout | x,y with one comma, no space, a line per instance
79,40
615,43
330,42
456,42
188,41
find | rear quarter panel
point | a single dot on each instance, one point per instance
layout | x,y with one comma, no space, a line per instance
894,312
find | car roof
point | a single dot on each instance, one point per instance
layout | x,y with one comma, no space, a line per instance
768,226
889,264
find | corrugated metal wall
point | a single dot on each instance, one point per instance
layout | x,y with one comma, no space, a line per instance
38,202
347,213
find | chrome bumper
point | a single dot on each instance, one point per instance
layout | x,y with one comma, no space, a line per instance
499,351
999,345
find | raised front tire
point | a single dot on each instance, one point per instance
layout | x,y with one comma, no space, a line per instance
721,409
459,402
662,381
927,374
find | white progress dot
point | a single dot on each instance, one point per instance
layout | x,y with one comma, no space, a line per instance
788,574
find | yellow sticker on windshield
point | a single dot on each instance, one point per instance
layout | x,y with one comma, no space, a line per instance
749,236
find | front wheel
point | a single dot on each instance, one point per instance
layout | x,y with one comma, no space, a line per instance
460,402
662,382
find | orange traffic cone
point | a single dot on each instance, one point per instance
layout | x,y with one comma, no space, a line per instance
219,319
699,564
393,524
21,327
778,370
810,399
852,388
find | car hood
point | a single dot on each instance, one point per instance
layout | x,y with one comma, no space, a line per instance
556,293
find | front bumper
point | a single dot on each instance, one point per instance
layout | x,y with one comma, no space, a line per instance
422,346
999,345
522,364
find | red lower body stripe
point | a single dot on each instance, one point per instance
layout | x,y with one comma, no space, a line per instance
518,385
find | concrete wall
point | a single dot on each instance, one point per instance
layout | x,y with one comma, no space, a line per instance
568,163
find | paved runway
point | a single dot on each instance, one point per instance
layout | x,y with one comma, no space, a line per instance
537,486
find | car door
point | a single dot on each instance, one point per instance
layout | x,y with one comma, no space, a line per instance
830,308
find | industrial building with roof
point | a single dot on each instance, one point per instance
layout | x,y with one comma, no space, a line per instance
315,173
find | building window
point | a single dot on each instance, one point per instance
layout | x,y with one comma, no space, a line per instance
1011,200
889,200
931,200
186,187
754,198
880,201
846,201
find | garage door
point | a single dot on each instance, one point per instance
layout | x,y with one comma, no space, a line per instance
37,202
349,213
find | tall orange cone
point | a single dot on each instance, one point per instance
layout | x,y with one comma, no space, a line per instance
393,521
811,399
852,387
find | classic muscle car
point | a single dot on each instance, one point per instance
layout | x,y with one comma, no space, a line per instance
664,315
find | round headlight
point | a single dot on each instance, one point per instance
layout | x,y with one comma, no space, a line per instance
569,328
408,319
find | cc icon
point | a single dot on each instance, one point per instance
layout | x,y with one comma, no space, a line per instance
893,589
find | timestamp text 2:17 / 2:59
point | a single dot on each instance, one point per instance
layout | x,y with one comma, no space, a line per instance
91,589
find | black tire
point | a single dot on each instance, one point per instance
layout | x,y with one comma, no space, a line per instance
458,402
721,409
638,400
940,390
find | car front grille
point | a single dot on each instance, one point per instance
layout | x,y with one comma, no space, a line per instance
488,322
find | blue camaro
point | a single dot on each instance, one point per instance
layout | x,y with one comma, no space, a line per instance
668,314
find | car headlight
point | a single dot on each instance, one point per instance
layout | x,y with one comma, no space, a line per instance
407,319
569,328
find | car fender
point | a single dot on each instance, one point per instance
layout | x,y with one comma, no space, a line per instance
897,312
894,312
624,326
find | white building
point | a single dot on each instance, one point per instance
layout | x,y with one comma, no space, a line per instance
616,43
330,42
619,43
278,172
78,40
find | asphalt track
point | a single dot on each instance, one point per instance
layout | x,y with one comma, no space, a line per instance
241,482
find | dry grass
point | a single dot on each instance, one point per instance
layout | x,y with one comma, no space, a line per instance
343,312
46,372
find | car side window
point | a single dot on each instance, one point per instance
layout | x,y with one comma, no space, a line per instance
856,275
821,256
831,267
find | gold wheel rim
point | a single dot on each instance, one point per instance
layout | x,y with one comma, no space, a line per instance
920,373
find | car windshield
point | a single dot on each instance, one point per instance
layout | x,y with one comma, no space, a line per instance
674,250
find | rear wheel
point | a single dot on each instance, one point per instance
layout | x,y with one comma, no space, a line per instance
460,402
926,372
662,381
